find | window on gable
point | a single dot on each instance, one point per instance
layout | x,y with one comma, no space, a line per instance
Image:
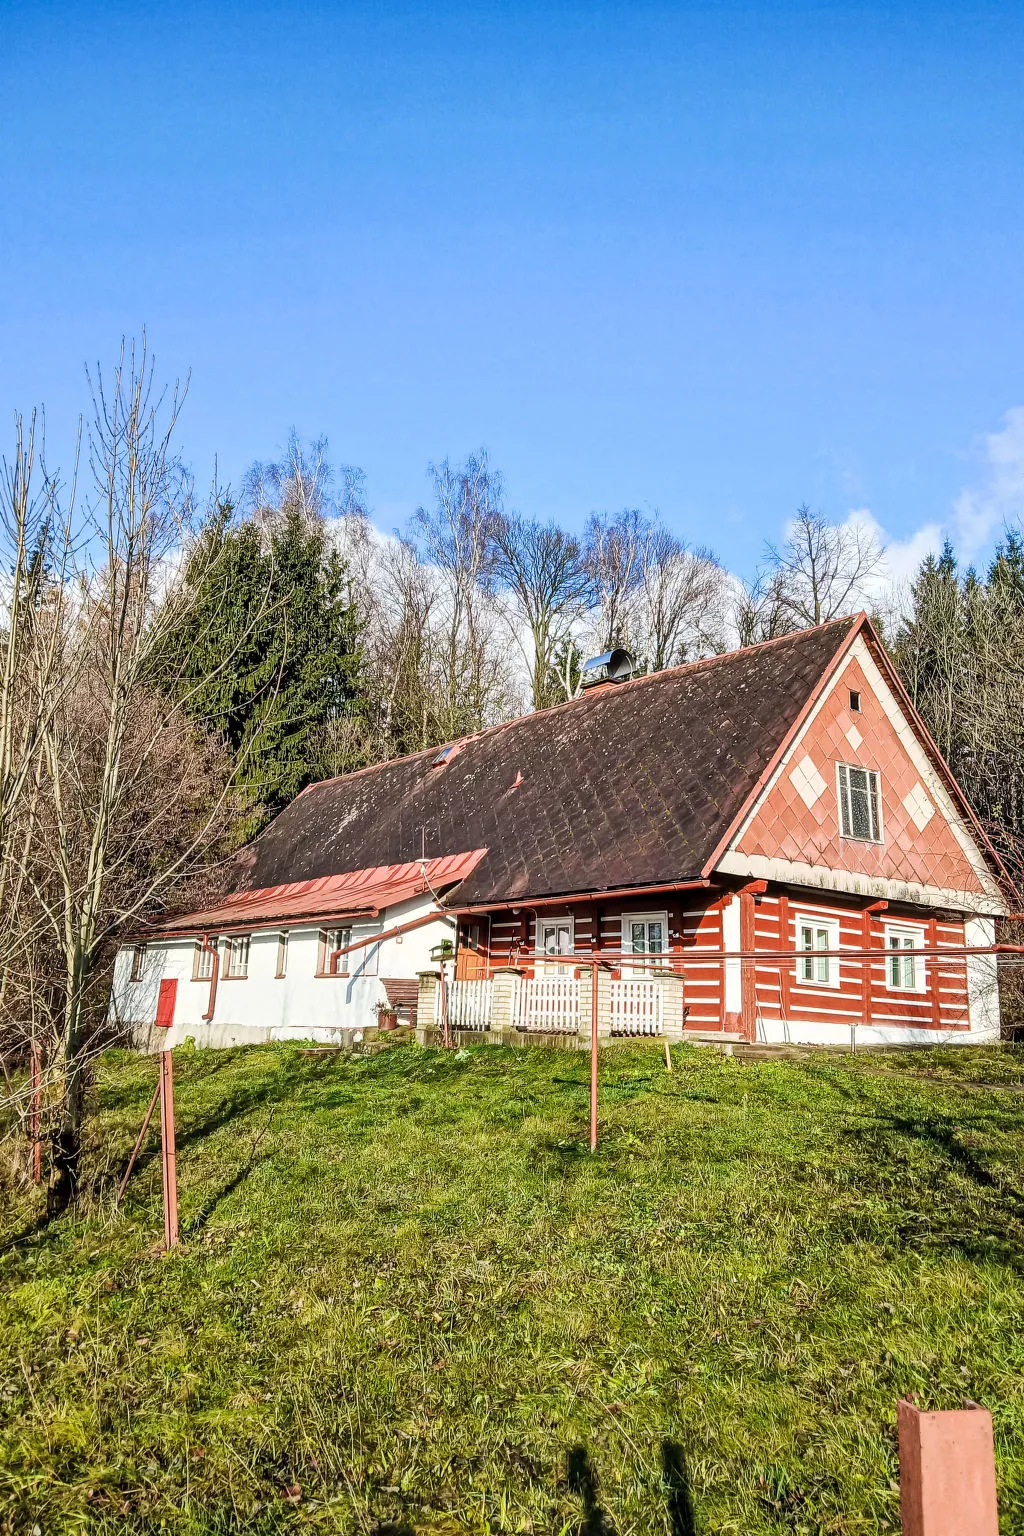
904,972
855,701
238,957
138,961
329,962
860,803
817,939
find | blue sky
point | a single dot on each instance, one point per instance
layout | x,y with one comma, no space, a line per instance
711,259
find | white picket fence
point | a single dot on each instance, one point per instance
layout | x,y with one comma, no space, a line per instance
551,1005
547,1004
469,1004
636,1006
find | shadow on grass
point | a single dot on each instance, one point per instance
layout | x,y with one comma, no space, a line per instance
980,1227
202,1216
676,1478
582,1481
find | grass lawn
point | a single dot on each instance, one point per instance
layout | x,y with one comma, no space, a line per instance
409,1300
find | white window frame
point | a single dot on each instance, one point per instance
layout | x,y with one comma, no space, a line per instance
628,919
844,806
202,967
544,962
138,970
236,961
281,967
903,932
815,921
330,941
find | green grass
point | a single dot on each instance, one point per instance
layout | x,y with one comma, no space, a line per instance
406,1289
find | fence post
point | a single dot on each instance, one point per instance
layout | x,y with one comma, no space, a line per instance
504,987
603,993
672,1015
428,1004
947,1472
170,1161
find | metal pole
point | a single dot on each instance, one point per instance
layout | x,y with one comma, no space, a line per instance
141,1137
34,1115
167,1143
593,1057
444,1008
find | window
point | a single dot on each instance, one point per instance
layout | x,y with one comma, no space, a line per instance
817,939
282,956
329,962
202,961
854,701
555,937
138,961
238,958
904,972
860,803
644,933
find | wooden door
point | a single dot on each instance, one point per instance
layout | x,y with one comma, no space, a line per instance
165,1003
471,959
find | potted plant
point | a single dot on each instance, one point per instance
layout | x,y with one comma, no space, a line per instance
387,1018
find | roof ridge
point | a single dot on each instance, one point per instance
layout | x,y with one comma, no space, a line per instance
536,714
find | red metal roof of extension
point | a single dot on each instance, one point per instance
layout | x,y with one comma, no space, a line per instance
357,893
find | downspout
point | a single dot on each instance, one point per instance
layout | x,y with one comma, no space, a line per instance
211,949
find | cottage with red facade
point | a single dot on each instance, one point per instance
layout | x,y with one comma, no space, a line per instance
764,845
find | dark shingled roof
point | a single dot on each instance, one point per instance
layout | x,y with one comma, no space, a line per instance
633,784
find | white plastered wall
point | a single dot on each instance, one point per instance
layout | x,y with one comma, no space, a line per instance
263,1007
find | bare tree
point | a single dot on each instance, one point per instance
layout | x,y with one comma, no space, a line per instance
824,569
677,611
541,568
304,480
759,610
470,676
614,561
133,794
35,537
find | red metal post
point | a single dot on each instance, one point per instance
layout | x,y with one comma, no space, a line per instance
34,1115
170,1164
947,1472
593,1056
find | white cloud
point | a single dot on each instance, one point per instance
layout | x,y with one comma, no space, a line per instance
975,519
980,510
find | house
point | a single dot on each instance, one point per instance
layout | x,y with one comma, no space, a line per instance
763,845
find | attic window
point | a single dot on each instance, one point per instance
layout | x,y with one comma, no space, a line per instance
855,701
446,754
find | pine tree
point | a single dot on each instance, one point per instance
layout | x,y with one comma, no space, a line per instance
269,656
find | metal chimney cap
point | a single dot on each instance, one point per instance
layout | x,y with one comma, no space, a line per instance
613,667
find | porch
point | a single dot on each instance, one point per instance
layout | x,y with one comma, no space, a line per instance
556,1007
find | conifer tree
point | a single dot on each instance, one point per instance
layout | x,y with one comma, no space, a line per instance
275,598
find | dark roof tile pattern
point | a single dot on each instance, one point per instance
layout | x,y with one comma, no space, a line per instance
632,784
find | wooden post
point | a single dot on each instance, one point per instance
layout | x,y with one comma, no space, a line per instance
748,968
170,1162
931,973
947,1472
